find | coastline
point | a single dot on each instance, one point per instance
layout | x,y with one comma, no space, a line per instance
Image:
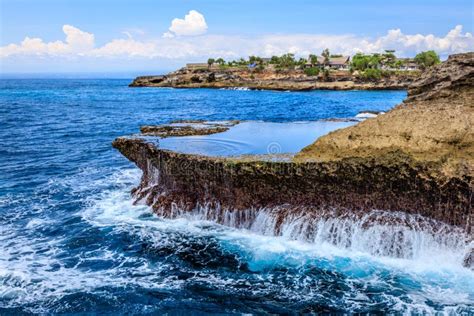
270,80
351,171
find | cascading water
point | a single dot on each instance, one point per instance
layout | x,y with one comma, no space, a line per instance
378,233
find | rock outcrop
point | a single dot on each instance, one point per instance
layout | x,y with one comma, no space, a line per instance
271,80
434,123
433,129
415,159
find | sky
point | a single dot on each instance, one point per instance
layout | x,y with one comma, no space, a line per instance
145,36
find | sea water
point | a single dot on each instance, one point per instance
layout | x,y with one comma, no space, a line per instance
72,241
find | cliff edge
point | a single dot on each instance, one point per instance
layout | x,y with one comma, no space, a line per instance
416,160
434,125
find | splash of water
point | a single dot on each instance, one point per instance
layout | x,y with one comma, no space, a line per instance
378,233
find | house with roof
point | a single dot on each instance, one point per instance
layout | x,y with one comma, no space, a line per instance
337,62
408,64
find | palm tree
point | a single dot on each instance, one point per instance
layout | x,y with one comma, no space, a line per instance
313,59
210,61
326,56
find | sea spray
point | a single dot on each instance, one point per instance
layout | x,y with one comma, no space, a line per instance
242,253
378,233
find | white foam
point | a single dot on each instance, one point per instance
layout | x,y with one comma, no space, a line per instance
366,115
31,269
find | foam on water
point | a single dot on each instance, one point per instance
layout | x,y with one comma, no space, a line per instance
41,273
431,270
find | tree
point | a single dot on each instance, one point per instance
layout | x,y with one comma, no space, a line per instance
302,61
210,61
275,60
313,59
326,55
242,62
362,62
220,61
287,60
427,59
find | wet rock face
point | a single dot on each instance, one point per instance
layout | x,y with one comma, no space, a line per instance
389,183
469,260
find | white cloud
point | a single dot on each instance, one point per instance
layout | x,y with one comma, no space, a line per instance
77,42
174,47
192,24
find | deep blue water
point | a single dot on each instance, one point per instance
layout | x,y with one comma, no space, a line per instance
72,242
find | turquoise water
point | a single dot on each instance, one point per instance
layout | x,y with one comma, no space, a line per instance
254,138
71,240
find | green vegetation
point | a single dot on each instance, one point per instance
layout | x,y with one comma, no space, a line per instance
370,66
313,59
362,62
211,61
287,61
372,74
326,55
427,59
313,71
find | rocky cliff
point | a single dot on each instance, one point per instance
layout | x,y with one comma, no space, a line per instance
294,80
416,159
435,123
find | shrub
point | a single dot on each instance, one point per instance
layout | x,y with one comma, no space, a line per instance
427,59
313,71
372,74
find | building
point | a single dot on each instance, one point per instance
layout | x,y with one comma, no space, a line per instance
339,62
193,66
408,64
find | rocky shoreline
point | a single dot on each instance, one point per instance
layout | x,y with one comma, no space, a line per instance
270,80
416,159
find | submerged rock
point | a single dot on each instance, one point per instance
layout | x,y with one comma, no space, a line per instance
187,128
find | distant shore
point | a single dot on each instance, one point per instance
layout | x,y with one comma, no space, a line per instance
292,80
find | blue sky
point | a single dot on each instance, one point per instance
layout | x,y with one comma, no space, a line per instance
224,27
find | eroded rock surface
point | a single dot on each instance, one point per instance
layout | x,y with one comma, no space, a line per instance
187,128
435,123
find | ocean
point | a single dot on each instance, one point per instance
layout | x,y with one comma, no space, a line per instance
72,241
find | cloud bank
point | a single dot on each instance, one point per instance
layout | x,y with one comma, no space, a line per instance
186,40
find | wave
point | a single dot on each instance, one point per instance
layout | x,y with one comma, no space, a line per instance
368,114
378,249
237,88
122,248
378,233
